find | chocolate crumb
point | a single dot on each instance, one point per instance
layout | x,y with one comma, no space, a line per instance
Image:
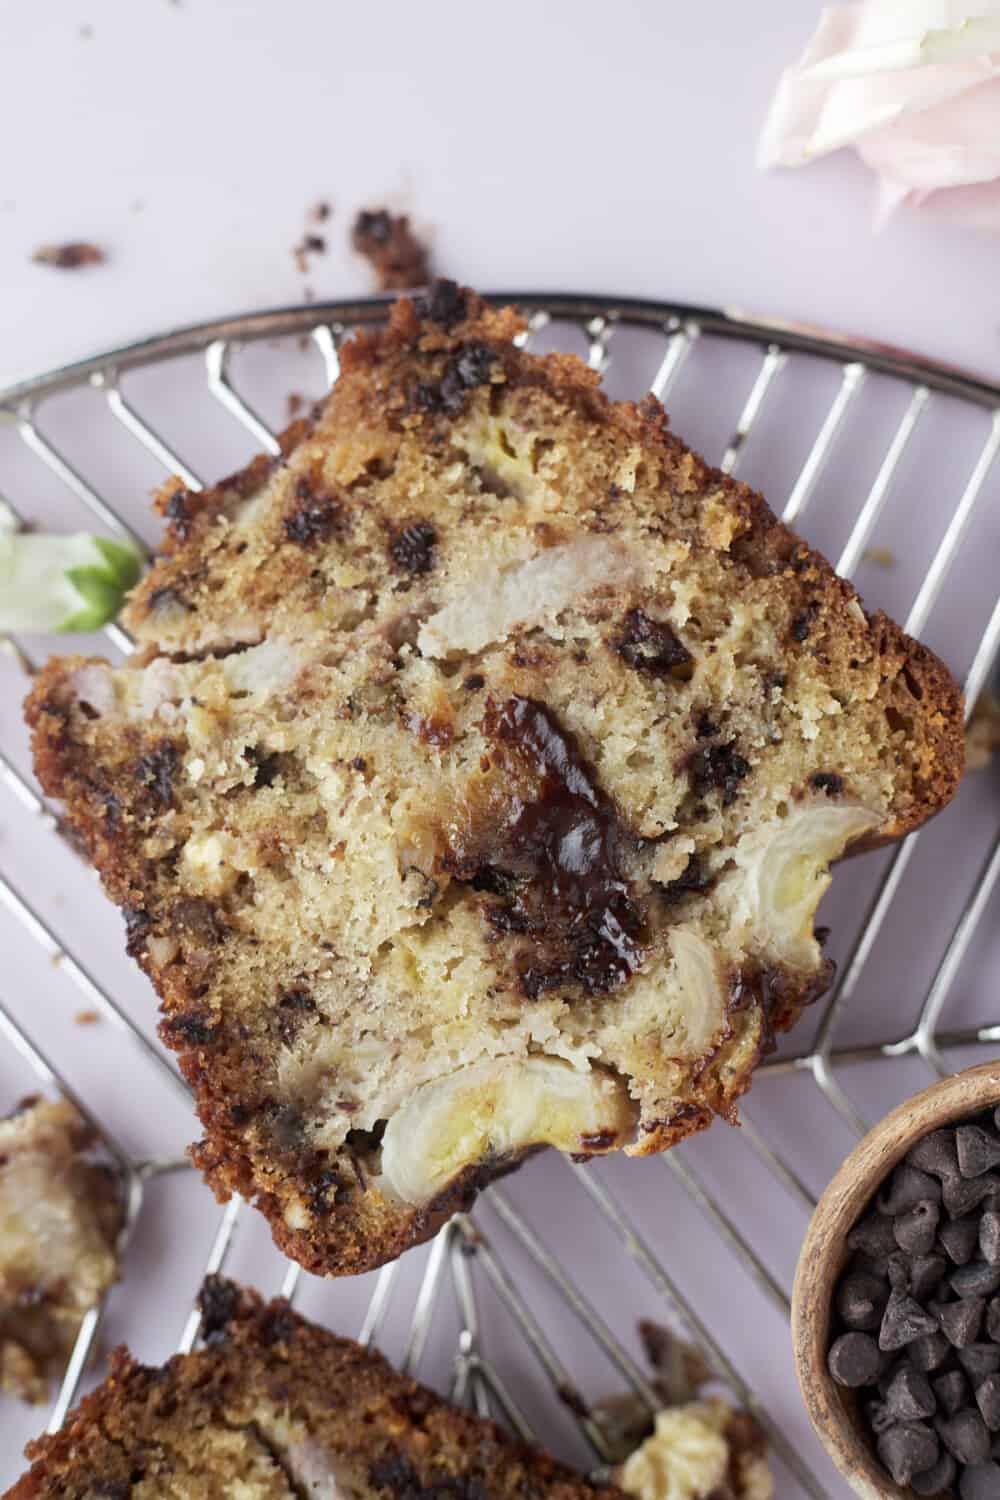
70,256
653,646
397,257
718,767
412,548
829,782
219,1301
445,303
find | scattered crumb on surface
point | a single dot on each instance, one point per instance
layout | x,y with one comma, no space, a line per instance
397,257
309,244
882,557
86,1018
294,403
70,256
321,211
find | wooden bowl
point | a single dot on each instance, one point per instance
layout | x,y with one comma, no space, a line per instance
833,1410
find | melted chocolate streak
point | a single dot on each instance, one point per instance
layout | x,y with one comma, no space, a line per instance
559,863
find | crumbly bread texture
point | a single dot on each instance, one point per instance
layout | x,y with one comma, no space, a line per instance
60,1213
274,1408
476,781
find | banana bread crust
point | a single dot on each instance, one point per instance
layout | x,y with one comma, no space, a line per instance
281,1400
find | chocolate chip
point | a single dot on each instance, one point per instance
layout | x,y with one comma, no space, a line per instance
719,767
827,781
935,1153
903,1320
653,646
988,1401
980,1482
909,1396
965,1435
960,1321
962,1194
976,1280
907,1187
412,548
938,1478
979,1360
219,1301
907,1449
873,1234
860,1300
802,623
445,302
156,771
925,1273
916,1230
314,519
878,1416
993,1319
951,1390
989,1236
978,1150
959,1238
930,1351
277,1326
853,1359
474,682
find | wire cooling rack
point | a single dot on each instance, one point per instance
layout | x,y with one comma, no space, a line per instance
884,460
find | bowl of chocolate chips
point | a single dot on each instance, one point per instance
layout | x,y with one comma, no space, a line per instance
896,1307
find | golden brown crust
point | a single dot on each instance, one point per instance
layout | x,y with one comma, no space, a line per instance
385,505
299,1394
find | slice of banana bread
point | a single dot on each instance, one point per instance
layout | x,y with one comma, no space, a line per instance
274,1408
477,780
60,1213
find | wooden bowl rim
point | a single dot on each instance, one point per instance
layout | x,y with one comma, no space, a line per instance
824,1251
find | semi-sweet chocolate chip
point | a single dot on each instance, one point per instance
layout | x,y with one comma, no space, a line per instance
989,1236
951,1391
916,1230
926,1272
938,1478
930,1351
853,1359
960,1321
935,1153
965,1435
907,1449
988,1401
978,1150
959,1238
979,1360
909,1396
980,1482
976,1280
903,1321
907,1187
873,1235
962,1194
860,1300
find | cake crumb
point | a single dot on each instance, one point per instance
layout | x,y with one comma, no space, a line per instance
321,211
294,402
86,1018
60,1213
70,256
882,557
397,257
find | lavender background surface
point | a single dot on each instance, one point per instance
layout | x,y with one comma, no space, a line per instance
566,146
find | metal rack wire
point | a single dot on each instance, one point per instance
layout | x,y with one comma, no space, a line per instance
465,1253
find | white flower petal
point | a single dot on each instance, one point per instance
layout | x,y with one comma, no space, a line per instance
820,105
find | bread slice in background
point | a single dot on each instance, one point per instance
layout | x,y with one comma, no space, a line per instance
476,780
275,1407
